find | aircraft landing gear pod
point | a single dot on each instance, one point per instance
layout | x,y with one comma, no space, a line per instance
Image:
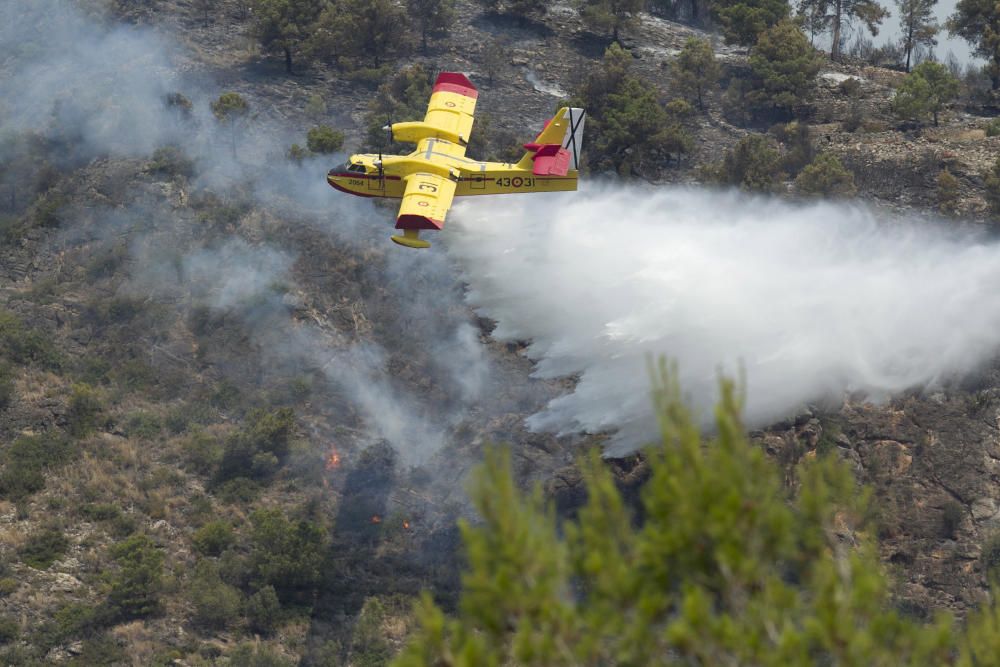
411,239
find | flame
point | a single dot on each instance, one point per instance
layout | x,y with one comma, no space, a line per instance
406,524
376,518
333,460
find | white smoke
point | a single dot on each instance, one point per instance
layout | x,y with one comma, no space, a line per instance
811,300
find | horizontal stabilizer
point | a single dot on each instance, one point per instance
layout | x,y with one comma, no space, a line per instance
551,160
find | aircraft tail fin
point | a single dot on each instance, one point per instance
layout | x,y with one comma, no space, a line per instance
557,147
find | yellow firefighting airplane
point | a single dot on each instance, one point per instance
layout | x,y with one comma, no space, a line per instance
428,179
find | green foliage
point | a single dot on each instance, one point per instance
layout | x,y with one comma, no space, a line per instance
7,586
100,512
258,448
171,161
27,459
784,67
978,23
213,538
10,629
282,25
991,180
202,452
84,409
952,515
369,646
138,582
143,425
724,568
797,144
296,153
826,177
43,548
948,192
926,91
993,128
316,109
404,97
990,557
216,604
8,389
351,32
263,611
629,132
916,18
433,18
696,70
753,164
323,139
232,110
48,211
743,21
611,16
26,346
285,554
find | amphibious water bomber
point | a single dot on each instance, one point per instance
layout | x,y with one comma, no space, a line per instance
429,178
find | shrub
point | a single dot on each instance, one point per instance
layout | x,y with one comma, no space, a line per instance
216,603
799,150
258,448
143,425
324,139
213,538
10,629
26,461
296,153
990,557
44,548
927,90
951,518
285,554
7,586
991,180
26,346
100,512
826,177
263,610
84,409
993,128
784,66
136,586
252,655
948,192
171,161
48,211
7,388
202,452
753,164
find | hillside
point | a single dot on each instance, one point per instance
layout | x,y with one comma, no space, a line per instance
237,421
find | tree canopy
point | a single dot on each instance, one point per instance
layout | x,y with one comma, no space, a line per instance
284,24
723,567
978,23
629,131
916,17
610,15
784,67
744,20
696,70
926,91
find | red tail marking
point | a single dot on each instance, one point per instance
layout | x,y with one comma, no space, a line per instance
551,160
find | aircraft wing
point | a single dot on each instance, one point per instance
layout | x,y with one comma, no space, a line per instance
426,201
452,106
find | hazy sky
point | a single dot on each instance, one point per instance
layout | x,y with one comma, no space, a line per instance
946,42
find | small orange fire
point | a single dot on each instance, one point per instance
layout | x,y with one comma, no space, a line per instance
333,460
406,525
376,518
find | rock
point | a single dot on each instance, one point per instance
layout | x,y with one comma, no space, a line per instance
984,508
64,583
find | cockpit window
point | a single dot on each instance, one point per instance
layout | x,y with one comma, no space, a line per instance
360,168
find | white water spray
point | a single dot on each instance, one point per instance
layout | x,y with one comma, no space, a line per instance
811,300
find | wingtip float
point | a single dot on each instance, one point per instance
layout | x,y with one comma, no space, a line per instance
428,179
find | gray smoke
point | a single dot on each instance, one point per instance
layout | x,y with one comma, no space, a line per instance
99,89
812,300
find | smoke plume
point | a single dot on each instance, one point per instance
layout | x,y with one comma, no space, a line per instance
811,300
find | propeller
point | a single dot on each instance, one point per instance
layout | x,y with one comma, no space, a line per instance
388,128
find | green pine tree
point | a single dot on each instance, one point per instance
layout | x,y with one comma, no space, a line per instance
916,17
695,71
926,91
743,21
284,24
433,18
784,67
612,16
826,177
978,23
722,569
